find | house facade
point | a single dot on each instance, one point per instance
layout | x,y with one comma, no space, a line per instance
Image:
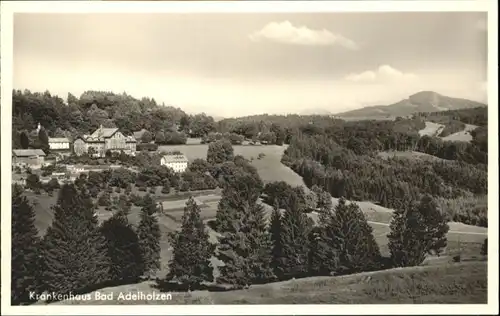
177,162
33,158
102,140
59,143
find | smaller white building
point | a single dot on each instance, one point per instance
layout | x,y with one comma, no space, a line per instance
176,162
59,143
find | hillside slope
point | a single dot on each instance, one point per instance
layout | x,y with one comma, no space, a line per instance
450,283
425,101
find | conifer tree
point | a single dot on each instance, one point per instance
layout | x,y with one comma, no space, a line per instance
246,249
352,238
192,250
25,242
123,248
25,141
416,230
74,243
43,139
275,232
245,246
294,240
149,236
239,187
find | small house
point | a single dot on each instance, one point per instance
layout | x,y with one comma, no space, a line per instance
59,143
33,158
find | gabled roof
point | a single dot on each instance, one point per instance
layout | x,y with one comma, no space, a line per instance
174,158
58,140
103,132
130,139
138,135
28,152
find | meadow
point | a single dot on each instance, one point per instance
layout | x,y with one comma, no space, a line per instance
269,166
448,283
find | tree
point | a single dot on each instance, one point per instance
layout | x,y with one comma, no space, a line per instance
324,199
220,152
199,165
246,248
123,248
192,250
33,182
25,244
294,240
104,199
53,184
73,243
149,236
146,137
348,232
416,230
25,141
275,232
484,247
160,137
239,187
43,138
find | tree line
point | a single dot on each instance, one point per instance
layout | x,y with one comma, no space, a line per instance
83,115
321,161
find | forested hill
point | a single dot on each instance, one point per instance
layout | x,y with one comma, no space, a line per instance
84,114
346,161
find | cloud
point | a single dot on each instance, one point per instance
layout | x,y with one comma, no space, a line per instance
383,73
286,32
482,25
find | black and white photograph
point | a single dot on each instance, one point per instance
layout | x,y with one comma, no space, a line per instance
166,156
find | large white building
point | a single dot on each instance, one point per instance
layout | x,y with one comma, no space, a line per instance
176,162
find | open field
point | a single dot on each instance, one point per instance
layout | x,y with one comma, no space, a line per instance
434,129
462,136
269,167
447,283
431,129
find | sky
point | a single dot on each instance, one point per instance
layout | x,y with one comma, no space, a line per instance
243,64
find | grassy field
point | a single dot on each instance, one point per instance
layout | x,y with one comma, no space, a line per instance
449,283
434,129
462,136
269,167
431,129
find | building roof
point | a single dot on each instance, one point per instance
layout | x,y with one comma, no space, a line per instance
28,152
130,139
174,158
58,140
138,135
103,132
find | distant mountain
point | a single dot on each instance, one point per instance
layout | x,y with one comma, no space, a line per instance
425,101
316,112
218,118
